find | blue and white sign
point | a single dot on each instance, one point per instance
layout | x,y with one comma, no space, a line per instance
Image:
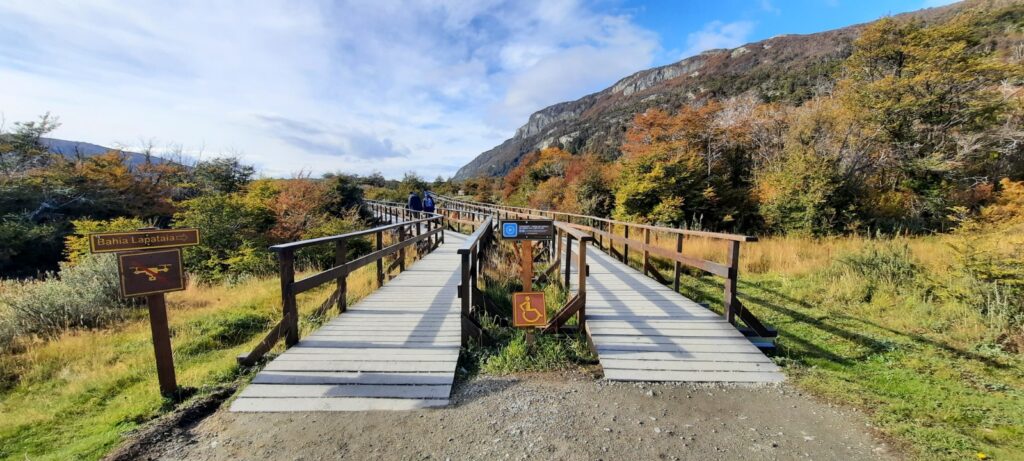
528,229
510,230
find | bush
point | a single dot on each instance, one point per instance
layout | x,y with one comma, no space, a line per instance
322,256
28,247
232,237
857,277
85,295
77,244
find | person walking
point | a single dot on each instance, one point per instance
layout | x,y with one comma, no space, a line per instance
428,202
414,202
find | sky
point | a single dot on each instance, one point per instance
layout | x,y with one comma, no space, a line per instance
309,87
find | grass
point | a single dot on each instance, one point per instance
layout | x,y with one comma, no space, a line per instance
78,395
870,327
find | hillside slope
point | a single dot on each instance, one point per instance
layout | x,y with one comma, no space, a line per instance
74,149
785,68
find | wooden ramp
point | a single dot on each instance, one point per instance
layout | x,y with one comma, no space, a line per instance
396,349
645,331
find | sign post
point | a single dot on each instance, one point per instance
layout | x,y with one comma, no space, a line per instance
528,308
149,264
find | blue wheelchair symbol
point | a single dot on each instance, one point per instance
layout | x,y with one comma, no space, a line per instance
510,230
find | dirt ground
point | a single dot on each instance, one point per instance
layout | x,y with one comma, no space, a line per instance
549,416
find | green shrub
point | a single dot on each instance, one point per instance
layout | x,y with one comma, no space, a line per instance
77,244
232,237
84,295
857,277
28,247
322,256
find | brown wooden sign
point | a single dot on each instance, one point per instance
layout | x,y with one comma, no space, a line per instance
528,309
151,272
107,242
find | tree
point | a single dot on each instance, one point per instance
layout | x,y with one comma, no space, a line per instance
22,150
223,175
411,182
233,242
342,195
931,95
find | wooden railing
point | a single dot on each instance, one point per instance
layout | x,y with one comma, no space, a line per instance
473,252
565,234
409,227
608,233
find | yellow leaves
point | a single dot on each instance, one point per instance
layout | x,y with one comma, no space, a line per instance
1009,205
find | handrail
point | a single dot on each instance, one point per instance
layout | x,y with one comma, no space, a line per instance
409,232
333,238
555,214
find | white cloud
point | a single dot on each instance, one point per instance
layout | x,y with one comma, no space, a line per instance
718,34
768,6
315,86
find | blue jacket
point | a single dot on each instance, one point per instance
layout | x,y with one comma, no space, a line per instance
414,203
428,204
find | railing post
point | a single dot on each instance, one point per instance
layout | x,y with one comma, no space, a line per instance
380,259
678,265
289,310
625,245
340,258
730,282
647,254
568,259
558,244
581,289
464,294
401,252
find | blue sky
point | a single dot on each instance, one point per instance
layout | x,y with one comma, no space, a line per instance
391,86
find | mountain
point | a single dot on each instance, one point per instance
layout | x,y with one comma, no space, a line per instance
73,149
786,68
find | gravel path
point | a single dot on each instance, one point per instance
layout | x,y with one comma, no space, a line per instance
549,416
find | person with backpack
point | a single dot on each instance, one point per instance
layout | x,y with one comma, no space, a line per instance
428,202
414,202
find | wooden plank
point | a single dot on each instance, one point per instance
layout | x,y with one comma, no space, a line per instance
683,365
641,328
350,365
693,376
677,341
332,404
688,354
302,348
342,377
666,336
677,348
348,390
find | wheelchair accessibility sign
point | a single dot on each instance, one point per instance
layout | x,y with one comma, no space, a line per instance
528,309
528,229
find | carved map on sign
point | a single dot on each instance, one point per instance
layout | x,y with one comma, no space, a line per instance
150,272
528,229
528,309
107,242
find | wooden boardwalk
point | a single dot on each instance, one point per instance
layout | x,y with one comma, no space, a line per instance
645,331
397,349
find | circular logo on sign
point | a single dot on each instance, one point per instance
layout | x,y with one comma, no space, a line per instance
509,229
